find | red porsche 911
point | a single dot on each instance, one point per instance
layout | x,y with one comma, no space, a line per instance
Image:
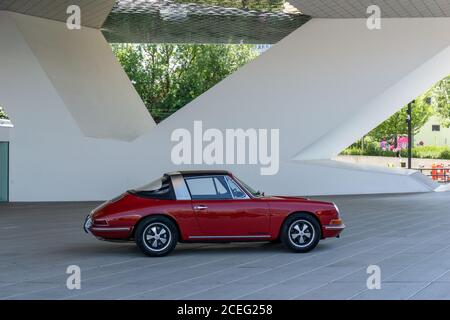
211,206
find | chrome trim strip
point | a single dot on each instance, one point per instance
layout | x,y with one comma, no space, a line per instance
227,237
110,229
179,186
338,227
337,210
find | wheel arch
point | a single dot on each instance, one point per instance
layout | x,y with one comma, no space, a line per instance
311,214
155,215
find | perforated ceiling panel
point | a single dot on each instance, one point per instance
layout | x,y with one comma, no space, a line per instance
358,8
215,21
93,12
175,22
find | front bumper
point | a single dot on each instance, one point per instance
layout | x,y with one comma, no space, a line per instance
332,230
339,227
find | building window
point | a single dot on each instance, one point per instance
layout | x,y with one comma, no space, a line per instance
435,127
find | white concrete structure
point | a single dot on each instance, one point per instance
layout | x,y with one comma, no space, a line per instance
82,133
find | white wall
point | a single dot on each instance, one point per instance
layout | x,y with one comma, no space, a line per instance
324,86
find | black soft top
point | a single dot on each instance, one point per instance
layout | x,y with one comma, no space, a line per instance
195,173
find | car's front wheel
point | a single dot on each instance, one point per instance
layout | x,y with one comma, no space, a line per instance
156,236
300,233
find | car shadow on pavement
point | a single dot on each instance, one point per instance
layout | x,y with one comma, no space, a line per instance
129,249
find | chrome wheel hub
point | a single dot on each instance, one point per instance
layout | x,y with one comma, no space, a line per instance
301,233
157,236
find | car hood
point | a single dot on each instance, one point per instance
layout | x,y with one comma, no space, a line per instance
296,199
285,198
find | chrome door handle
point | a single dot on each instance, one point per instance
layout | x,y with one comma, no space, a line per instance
200,207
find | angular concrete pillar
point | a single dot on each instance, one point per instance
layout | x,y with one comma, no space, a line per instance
72,105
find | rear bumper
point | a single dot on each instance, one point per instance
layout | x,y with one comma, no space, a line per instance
105,232
88,224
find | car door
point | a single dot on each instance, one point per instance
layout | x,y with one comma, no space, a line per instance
223,210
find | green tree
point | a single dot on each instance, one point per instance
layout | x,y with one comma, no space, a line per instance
3,114
397,123
168,76
261,5
441,100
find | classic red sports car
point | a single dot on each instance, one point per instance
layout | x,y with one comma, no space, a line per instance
211,206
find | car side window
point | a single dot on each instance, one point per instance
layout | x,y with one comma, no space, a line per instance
208,188
236,190
221,187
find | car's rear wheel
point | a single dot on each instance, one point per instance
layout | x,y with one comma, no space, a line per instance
300,233
156,236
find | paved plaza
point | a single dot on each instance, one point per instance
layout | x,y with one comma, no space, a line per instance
408,236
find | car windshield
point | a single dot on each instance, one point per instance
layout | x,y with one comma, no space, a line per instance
249,189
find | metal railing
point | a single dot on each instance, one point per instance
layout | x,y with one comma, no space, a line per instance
439,173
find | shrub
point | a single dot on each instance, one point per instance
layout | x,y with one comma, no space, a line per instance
429,152
445,154
425,152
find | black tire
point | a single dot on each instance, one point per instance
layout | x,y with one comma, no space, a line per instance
156,236
296,229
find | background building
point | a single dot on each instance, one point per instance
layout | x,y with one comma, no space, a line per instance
433,133
5,126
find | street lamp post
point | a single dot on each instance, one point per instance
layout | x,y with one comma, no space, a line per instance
410,142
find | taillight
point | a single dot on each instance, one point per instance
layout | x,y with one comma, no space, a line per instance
100,222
